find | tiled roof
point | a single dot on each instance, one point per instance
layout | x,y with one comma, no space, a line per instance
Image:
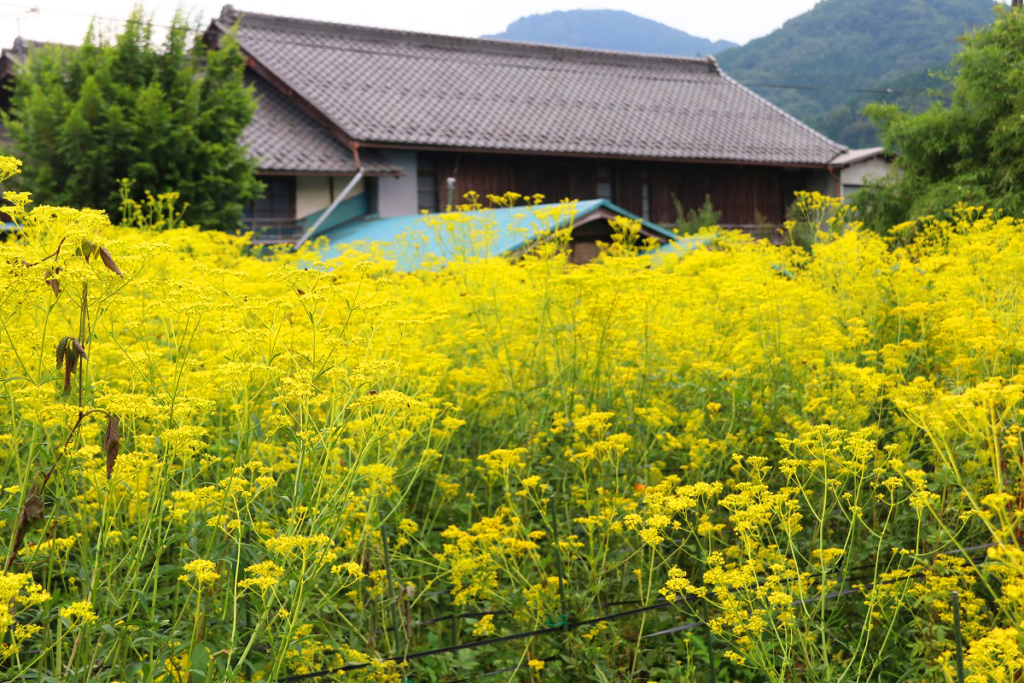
12,56
855,156
284,138
402,88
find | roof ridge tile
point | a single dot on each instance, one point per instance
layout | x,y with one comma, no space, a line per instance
230,15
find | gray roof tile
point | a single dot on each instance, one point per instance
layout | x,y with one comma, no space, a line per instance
284,138
395,87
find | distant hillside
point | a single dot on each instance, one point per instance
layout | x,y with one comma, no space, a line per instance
843,45
828,53
609,30
847,123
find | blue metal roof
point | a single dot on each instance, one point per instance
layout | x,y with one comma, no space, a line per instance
418,241
348,210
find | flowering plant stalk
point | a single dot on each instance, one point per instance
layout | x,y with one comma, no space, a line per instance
268,466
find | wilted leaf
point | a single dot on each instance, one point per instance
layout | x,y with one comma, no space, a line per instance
112,442
33,511
62,347
70,362
79,349
72,350
108,261
50,279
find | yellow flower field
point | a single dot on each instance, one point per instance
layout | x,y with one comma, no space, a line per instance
218,466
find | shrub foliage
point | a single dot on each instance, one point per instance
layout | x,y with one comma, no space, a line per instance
170,117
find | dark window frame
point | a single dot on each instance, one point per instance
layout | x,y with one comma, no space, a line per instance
604,178
258,210
428,195
272,216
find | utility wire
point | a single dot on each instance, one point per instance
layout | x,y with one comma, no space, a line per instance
871,91
20,13
610,617
36,9
772,86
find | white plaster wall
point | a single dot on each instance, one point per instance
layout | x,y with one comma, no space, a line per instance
313,192
865,172
397,196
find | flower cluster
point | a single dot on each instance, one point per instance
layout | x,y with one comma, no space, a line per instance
264,463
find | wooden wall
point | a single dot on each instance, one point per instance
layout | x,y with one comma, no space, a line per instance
746,195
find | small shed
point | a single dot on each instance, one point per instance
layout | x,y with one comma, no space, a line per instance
418,241
859,167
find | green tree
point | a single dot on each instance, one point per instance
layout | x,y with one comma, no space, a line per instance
970,149
842,45
170,117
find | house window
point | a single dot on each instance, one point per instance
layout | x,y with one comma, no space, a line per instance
272,216
645,194
276,206
426,184
605,183
850,189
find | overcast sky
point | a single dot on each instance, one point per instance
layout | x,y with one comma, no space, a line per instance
737,20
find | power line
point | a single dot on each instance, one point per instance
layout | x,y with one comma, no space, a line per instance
27,10
36,9
871,91
566,625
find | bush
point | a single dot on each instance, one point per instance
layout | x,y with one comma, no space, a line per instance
168,116
690,221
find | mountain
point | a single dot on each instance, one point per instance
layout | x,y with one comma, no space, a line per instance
841,46
847,123
825,57
609,30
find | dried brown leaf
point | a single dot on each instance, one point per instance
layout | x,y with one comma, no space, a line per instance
70,362
112,442
73,350
79,349
50,279
33,511
108,261
62,347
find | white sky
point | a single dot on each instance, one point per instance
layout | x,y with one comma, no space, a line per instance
737,20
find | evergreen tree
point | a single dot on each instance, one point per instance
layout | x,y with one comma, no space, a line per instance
170,117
